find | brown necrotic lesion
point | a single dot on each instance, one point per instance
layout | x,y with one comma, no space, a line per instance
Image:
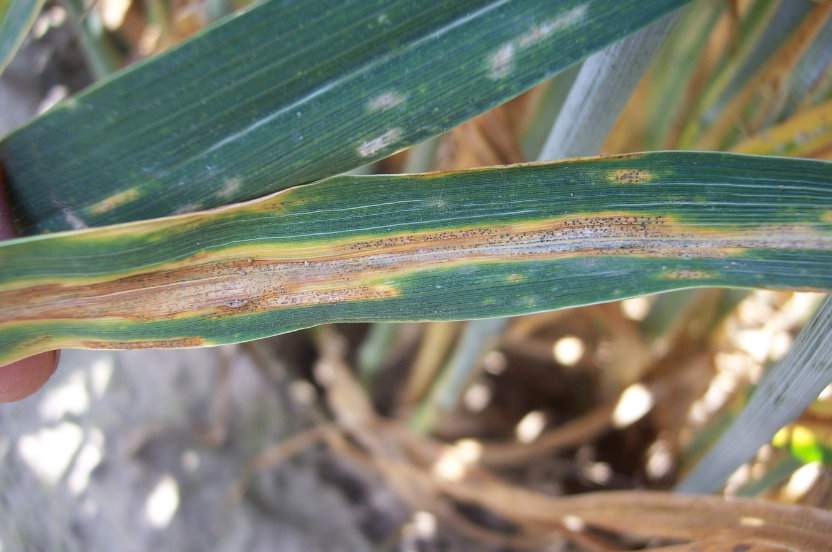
630,176
253,278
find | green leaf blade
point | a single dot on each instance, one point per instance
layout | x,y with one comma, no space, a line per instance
178,134
16,18
472,244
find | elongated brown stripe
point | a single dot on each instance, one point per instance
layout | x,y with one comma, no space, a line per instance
253,278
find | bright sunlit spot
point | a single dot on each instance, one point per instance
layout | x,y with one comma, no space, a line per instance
49,451
598,472
162,502
477,397
88,458
659,459
468,450
754,342
68,397
635,402
736,480
530,426
113,12
750,521
636,308
754,310
495,363
780,344
801,481
568,350
302,392
425,524
453,463
574,523
100,373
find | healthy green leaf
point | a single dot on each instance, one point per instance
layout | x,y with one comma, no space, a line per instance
289,93
673,69
471,244
102,57
784,393
16,18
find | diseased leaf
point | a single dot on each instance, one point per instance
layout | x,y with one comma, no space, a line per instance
288,93
595,99
463,245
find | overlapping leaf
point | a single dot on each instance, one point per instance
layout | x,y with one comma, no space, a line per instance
288,93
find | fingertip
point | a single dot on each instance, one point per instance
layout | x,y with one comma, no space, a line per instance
20,379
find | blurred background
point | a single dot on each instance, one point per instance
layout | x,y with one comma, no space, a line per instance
298,442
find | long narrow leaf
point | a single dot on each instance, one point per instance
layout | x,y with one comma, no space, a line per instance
808,73
16,18
672,70
289,93
806,134
463,245
783,394
600,91
763,29
782,61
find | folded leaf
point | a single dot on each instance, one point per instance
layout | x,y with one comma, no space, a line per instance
471,244
288,93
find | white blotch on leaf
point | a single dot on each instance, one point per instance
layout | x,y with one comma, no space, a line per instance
377,144
501,61
230,187
73,220
385,100
189,208
548,28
